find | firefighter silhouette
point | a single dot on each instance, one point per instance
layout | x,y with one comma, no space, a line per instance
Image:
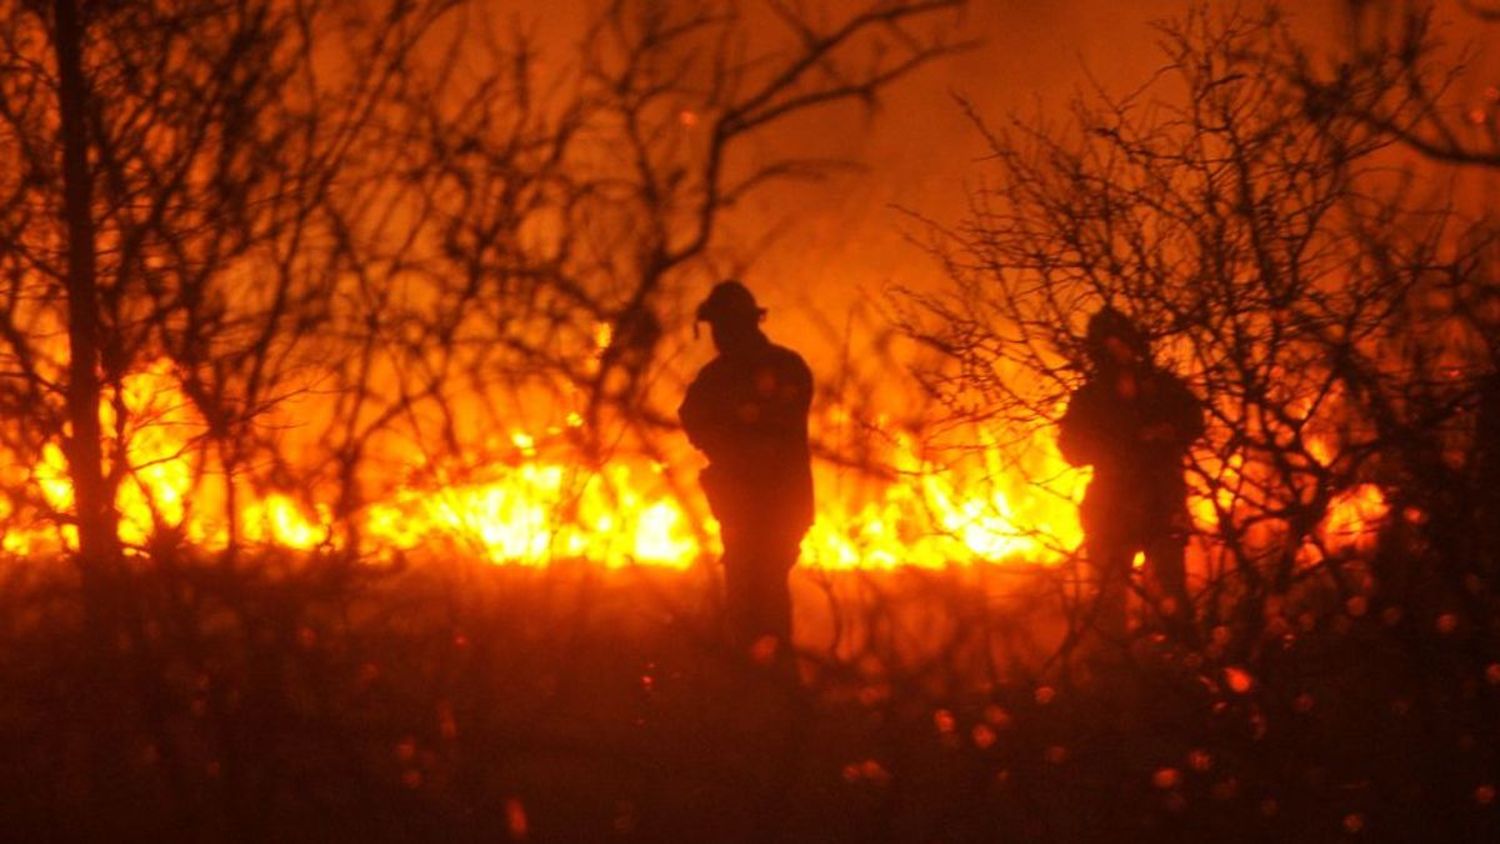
747,412
1133,422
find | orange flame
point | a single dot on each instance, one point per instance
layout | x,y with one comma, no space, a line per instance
536,506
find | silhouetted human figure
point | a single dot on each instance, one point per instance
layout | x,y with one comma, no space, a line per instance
747,411
1133,422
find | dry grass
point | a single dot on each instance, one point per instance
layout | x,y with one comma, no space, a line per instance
461,702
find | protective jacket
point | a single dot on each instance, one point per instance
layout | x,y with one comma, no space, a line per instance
1136,446
748,413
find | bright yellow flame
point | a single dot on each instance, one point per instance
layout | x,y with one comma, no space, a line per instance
536,512
935,515
535,506
278,520
1354,519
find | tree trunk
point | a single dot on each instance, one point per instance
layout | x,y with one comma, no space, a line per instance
98,537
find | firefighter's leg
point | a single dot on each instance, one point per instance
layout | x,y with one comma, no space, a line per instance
757,598
1166,568
1110,561
767,598
739,588
777,593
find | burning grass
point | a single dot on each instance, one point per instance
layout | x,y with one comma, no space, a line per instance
527,498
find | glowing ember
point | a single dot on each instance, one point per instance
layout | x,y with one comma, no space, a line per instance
1238,680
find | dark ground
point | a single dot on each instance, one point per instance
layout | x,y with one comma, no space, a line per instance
458,702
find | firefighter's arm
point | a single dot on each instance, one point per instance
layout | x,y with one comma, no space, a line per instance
800,388
1079,434
700,417
787,408
1183,424
1188,424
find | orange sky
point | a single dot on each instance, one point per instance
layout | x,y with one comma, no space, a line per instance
921,152
918,149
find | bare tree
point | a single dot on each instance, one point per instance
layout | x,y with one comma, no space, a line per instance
161,217
199,142
559,213
1405,71
1273,260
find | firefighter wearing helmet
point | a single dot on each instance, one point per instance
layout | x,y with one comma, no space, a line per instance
1133,422
747,412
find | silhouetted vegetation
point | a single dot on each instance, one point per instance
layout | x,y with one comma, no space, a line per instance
306,253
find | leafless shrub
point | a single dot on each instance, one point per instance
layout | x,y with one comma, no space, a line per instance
556,223
1405,72
1297,282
